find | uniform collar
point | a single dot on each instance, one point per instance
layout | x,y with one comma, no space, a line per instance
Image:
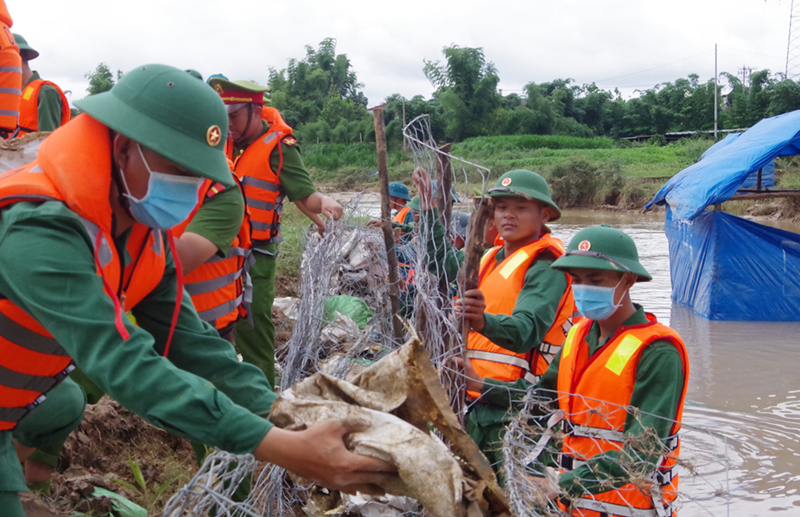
34,77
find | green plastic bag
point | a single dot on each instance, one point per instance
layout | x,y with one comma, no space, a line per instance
352,307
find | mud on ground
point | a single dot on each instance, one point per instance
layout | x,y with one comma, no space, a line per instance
98,452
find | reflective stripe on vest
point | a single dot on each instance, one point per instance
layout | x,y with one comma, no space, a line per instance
219,286
505,359
221,310
614,510
10,77
501,285
597,393
261,185
72,167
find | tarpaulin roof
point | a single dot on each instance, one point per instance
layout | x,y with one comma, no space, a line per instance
718,176
751,181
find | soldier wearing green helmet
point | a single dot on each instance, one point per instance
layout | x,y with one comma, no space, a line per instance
522,308
604,265
83,239
44,106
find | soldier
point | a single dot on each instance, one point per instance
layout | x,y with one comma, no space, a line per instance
84,237
44,106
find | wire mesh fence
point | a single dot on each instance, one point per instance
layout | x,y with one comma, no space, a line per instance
350,260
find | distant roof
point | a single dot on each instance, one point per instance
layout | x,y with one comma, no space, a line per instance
683,134
719,175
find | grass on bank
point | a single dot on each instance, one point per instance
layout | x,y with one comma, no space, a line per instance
349,166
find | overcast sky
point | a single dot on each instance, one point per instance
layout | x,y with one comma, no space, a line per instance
616,43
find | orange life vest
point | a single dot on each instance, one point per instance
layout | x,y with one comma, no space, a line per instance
10,73
595,397
263,194
73,166
219,287
501,284
29,108
400,216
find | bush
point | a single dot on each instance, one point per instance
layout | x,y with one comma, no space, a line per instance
580,183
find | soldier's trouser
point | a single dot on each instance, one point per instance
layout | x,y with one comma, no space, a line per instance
489,438
257,343
47,425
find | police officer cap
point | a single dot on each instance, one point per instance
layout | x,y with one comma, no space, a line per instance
25,51
238,92
397,189
170,112
603,247
525,183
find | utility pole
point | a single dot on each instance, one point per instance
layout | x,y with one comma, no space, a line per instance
405,146
744,73
793,44
716,90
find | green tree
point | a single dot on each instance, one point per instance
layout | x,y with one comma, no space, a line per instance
101,80
466,88
320,87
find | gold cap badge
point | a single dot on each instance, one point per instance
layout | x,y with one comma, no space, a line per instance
506,182
584,245
213,136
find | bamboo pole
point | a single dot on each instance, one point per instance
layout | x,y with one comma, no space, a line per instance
386,222
444,171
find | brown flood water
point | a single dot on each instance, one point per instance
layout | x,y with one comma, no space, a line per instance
744,383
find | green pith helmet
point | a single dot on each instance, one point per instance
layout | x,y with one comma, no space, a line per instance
603,247
25,51
414,203
170,112
525,183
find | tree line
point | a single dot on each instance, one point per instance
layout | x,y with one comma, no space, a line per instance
321,97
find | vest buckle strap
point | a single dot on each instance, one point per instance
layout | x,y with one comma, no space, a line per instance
582,431
617,510
531,378
547,435
549,348
665,477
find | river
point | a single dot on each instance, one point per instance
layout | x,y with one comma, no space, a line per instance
744,385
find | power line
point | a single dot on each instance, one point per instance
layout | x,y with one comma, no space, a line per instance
654,68
751,52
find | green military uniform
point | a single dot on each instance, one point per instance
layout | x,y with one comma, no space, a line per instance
220,399
201,391
49,105
49,113
659,380
216,220
255,337
656,393
256,342
533,315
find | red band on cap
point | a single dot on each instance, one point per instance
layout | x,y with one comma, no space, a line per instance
238,97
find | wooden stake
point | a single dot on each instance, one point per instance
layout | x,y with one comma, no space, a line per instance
444,198
386,222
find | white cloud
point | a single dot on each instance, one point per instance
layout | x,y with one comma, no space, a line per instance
528,40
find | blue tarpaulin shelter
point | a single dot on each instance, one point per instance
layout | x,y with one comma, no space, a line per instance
751,181
723,266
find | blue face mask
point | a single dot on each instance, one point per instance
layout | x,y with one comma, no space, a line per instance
168,201
595,302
